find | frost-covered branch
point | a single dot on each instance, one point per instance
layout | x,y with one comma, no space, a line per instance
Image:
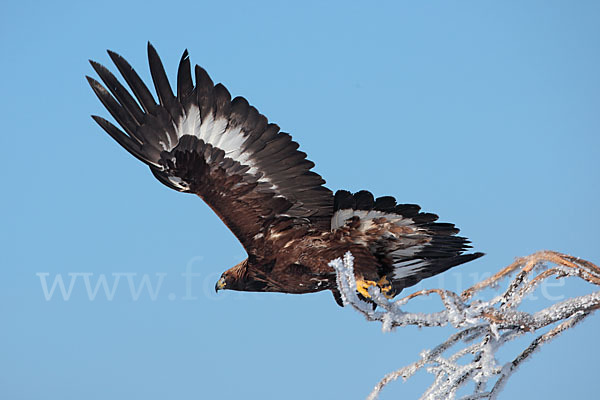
484,325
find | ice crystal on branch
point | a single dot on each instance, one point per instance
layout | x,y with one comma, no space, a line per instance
484,326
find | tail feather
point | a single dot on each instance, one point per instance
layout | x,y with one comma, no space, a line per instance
410,245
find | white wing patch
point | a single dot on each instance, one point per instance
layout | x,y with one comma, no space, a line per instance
410,251
217,133
340,217
402,238
407,268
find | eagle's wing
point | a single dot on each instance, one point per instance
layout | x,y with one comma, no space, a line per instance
203,142
410,244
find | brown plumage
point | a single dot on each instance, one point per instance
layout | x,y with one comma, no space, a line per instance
252,175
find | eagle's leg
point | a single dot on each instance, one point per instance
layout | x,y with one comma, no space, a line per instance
362,286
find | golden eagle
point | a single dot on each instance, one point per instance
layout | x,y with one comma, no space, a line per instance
255,179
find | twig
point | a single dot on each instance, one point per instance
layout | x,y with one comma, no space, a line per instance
484,326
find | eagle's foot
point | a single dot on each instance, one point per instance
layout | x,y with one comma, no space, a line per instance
362,286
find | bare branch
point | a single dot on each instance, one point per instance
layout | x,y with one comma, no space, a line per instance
485,325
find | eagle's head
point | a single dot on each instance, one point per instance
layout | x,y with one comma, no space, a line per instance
240,278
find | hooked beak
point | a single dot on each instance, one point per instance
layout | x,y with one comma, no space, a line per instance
220,284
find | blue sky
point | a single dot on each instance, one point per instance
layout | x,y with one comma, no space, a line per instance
485,113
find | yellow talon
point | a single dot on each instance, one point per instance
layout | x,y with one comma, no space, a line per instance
362,286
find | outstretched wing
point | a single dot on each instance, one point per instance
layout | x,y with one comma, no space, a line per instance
201,141
409,244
